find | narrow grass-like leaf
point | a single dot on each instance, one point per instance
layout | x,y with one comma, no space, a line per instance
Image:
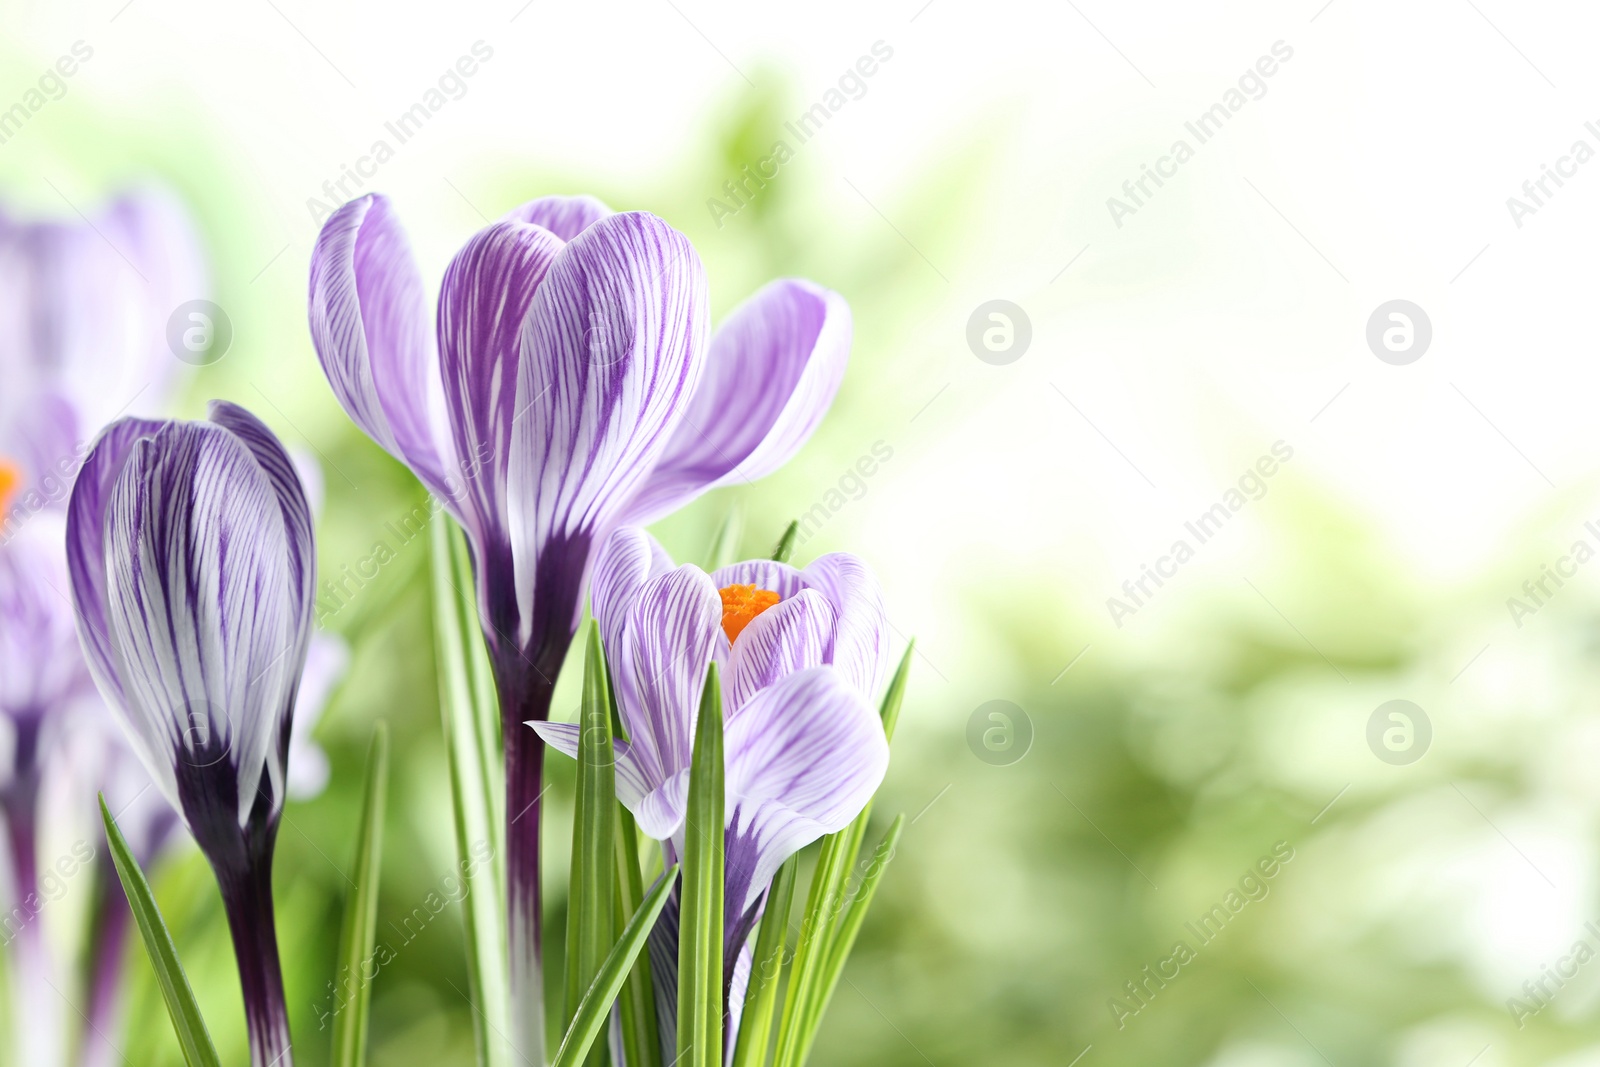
755,1024
592,902
641,1044
198,1051
725,544
855,914
361,909
808,989
700,924
785,547
595,1007
473,750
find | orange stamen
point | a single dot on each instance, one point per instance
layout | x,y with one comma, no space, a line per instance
741,604
10,482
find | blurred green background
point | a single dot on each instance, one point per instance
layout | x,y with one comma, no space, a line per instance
1406,903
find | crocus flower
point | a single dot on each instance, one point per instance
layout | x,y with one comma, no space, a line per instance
802,652
193,571
570,387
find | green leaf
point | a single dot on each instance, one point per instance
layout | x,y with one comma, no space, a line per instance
809,983
641,1043
473,749
850,924
595,1006
198,1051
755,1026
361,910
700,924
725,545
592,895
785,547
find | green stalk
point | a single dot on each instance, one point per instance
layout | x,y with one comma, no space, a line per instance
361,910
755,1025
700,928
591,904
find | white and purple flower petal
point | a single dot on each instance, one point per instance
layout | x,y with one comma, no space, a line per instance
773,370
803,760
611,350
564,216
371,330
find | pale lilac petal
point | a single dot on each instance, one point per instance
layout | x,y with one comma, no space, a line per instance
564,216
765,574
279,467
486,294
861,644
803,760
86,552
673,631
327,660
202,615
611,351
41,665
789,636
370,326
633,783
773,370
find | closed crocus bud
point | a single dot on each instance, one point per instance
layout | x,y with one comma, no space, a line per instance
192,568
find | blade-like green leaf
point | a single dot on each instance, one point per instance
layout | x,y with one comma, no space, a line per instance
592,897
809,989
473,750
755,1025
850,925
641,1044
725,545
198,1051
700,923
361,909
595,1006
785,547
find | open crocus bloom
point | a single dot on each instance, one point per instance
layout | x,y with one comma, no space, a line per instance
801,652
571,385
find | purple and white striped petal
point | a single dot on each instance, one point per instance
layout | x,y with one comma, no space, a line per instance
86,547
611,351
634,784
803,760
564,216
487,292
370,326
203,614
41,665
674,630
790,636
768,574
861,641
773,370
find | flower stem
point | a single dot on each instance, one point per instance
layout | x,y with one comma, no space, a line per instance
525,693
247,899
